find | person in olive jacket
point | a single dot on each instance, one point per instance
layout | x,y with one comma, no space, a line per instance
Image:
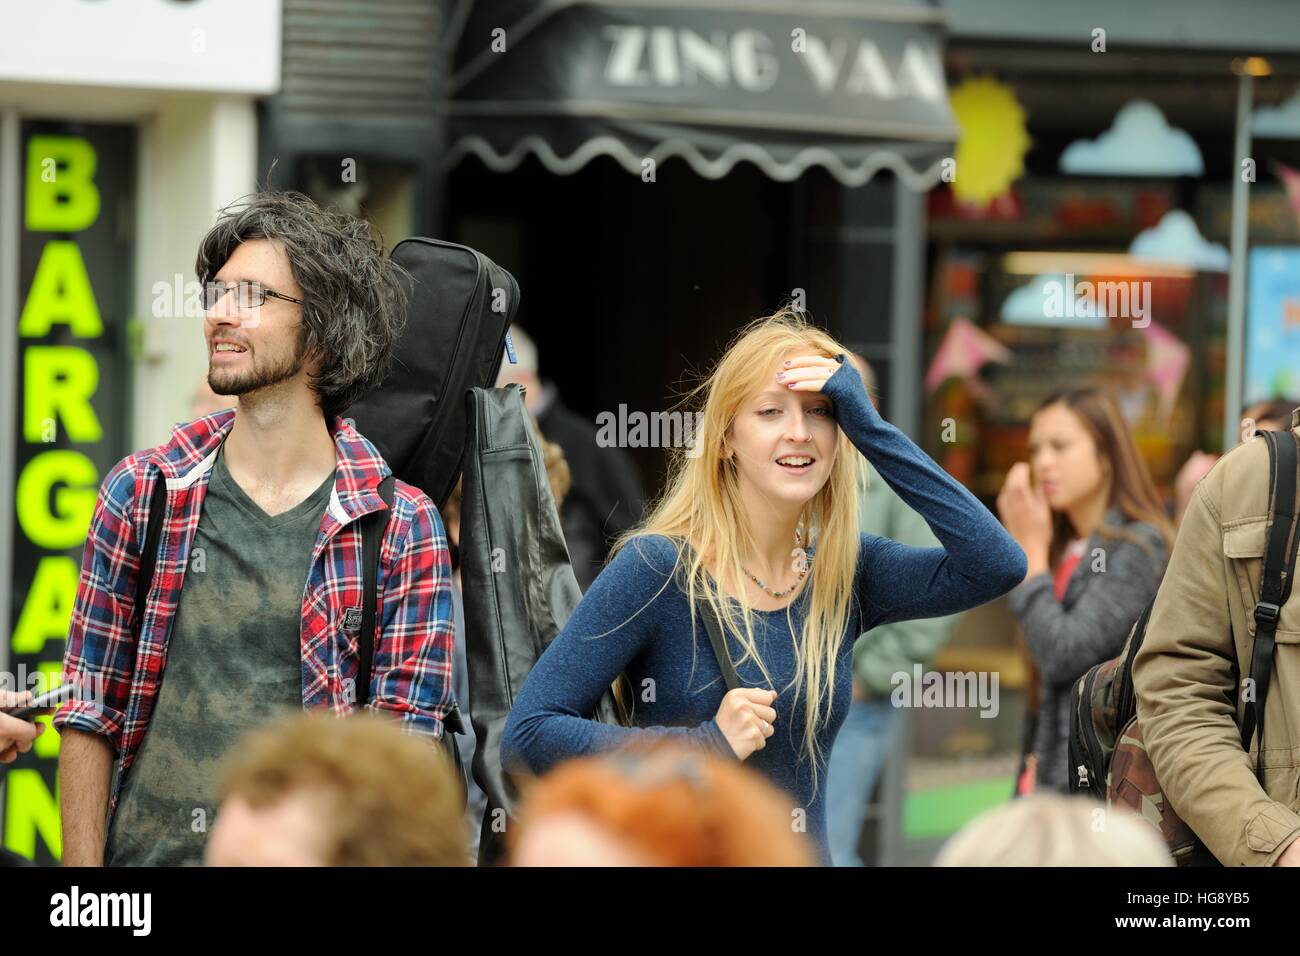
1189,675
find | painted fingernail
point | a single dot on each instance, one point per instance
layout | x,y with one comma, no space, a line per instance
787,363
780,376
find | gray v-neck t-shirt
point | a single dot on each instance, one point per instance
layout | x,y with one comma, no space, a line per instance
234,662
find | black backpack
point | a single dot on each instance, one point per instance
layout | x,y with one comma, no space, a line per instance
459,311
519,586
460,305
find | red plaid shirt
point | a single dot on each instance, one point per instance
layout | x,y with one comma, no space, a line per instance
413,656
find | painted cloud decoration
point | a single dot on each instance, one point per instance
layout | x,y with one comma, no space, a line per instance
1176,240
1279,122
1030,305
1139,143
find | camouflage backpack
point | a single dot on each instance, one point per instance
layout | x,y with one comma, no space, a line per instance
1108,757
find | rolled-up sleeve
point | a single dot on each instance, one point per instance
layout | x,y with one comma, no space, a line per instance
413,662
101,646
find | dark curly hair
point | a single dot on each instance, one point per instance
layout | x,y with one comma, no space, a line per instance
355,295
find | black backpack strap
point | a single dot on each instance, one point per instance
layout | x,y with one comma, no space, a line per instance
372,535
714,627
716,639
373,527
1275,580
149,553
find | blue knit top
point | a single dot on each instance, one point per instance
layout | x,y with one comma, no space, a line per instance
635,619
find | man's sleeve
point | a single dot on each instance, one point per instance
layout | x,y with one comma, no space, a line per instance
1186,680
100,652
413,663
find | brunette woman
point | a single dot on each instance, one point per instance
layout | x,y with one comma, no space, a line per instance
1092,525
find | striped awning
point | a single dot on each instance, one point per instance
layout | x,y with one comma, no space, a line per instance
853,87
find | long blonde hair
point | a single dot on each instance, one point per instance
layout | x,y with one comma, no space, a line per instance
701,506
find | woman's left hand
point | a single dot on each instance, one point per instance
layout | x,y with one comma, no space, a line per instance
807,373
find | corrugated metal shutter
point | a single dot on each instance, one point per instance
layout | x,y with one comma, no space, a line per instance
371,59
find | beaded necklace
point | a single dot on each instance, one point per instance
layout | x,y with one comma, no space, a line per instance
803,570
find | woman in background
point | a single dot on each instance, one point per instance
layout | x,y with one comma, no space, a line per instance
1097,538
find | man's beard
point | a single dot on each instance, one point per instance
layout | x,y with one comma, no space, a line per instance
228,382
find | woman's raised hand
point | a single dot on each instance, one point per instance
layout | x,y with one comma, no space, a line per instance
745,718
806,373
1024,510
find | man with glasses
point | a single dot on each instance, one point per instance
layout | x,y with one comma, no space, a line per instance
256,605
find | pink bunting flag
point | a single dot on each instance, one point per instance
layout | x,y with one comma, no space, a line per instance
1167,361
1291,181
965,349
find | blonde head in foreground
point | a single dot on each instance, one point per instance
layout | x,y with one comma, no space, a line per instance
1053,830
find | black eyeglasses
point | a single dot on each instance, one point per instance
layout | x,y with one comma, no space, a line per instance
249,293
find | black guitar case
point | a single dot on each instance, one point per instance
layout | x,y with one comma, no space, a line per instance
460,307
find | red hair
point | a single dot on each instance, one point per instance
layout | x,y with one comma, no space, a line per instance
675,806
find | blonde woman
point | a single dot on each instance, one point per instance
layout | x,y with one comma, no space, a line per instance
761,523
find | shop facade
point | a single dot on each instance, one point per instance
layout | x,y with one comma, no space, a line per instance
1088,240
654,175
357,121
1105,259
687,168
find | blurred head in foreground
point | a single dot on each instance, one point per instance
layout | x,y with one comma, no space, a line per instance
323,791
1054,830
660,807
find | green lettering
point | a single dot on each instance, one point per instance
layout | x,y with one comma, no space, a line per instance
58,381
69,201
30,809
66,524
47,611
61,293
47,744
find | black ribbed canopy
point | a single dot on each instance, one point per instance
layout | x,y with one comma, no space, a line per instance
855,87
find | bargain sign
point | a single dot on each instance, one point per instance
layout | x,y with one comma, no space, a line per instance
74,271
